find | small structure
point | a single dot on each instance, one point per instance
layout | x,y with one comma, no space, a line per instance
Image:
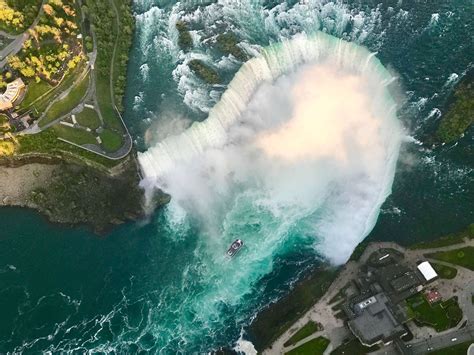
433,296
427,271
12,93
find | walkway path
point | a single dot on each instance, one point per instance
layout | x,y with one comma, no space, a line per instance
334,328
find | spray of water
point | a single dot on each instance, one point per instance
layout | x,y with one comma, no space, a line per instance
300,150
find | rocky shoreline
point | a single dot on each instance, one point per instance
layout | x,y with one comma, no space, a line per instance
75,194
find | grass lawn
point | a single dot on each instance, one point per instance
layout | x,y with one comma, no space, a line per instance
109,114
450,239
47,142
458,349
462,257
88,118
75,135
313,347
440,316
305,331
34,90
445,272
111,141
353,347
65,105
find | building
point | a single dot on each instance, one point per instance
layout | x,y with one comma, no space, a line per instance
375,321
12,94
427,271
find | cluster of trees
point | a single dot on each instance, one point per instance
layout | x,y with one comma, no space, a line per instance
459,116
104,25
185,41
228,43
17,15
53,48
205,72
4,79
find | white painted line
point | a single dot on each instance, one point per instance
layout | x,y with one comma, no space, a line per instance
66,124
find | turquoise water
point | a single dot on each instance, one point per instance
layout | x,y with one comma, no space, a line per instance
144,286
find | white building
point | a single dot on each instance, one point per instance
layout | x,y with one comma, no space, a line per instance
427,271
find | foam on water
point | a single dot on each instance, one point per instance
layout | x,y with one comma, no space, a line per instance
227,177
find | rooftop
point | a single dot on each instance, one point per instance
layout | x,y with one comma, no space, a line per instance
376,321
427,271
11,94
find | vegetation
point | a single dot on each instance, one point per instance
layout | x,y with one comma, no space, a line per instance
4,124
305,331
64,106
88,118
204,72
34,91
47,143
228,43
359,250
458,349
185,41
450,239
445,272
440,316
111,141
82,195
53,48
279,316
353,346
17,15
459,116
313,347
75,135
114,38
463,257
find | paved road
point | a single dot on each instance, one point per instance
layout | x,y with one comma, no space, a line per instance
441,341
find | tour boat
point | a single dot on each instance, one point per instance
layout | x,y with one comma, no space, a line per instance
235,247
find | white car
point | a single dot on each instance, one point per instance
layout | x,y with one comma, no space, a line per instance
454,339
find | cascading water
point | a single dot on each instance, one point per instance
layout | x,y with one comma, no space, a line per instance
301,149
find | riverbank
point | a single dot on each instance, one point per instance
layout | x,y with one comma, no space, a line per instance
76,194
272,336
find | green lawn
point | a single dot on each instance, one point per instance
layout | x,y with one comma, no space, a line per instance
450,239
462,257
459,349
47,142
313,347
75,135
88,118
440,316
353,347
109,114
111,141
305,331
445,272
65,105
34,91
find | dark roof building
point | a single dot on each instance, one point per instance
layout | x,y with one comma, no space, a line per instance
375,321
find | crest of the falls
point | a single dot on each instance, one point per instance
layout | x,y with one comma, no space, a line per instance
219,168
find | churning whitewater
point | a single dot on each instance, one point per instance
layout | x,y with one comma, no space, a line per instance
301,148
305,137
